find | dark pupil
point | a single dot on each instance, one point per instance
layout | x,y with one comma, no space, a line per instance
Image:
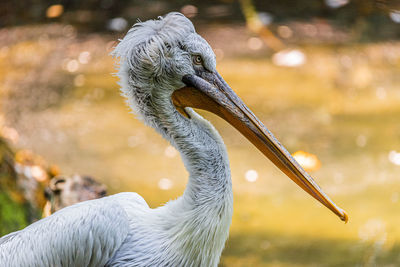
198,59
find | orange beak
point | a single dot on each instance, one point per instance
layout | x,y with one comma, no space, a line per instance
210,92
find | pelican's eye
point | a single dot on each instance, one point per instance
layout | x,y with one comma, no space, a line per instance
197,60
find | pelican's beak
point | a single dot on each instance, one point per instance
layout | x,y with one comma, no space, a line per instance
210,92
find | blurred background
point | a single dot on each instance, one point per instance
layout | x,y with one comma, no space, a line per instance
323,75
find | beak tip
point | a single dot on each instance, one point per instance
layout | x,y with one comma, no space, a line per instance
344,217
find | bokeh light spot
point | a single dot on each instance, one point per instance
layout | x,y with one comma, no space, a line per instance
265,18
395,16
72,65
170,152
165,184
117,24
38,173
336,3
137,139
11,134
251,176
189,11
308,161
289,58
394,157
361,140
285,32
84,57
54,11
254,43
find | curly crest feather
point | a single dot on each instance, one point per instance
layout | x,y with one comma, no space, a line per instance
148,45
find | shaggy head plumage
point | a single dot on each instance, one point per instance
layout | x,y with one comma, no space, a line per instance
154,56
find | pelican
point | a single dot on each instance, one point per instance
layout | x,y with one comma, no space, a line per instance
165,70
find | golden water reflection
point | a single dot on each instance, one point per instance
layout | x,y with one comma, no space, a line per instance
341,106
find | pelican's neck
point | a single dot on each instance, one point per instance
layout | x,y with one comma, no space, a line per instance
203,153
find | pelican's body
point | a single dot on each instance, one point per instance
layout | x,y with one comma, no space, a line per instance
159,60
120,230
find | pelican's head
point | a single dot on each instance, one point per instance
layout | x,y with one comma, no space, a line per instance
167,59
156,54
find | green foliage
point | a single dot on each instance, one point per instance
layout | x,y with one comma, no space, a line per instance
13,215
14,212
